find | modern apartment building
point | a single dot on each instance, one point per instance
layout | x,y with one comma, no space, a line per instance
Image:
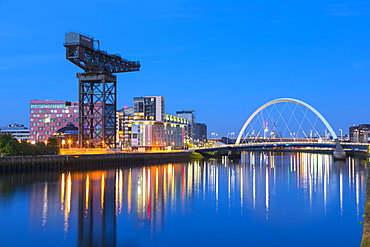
149,108
47,116
146,126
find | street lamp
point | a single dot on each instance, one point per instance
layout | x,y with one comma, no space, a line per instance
69,142
214,135
227,136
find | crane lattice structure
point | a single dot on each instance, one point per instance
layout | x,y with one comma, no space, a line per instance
97,89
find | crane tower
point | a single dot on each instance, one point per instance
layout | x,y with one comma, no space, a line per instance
96,89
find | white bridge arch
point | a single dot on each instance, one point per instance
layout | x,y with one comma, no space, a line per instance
291,101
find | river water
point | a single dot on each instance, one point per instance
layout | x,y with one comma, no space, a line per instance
263,199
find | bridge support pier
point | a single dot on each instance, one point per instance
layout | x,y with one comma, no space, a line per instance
339,153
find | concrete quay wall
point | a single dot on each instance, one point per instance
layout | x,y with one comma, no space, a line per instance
52,162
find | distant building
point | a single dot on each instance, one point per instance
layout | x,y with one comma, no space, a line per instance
18,131
146,126
47,116
195,133
67,136
189,129
360,133
200,134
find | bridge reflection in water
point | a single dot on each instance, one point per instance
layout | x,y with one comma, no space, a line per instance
102,208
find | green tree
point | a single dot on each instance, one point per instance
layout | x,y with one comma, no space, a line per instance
10,148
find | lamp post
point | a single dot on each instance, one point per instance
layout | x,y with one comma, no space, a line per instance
69,142
214,134
227,137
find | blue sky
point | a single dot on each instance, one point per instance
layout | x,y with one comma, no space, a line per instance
223,59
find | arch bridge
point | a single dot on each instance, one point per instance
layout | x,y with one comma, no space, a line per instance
250,139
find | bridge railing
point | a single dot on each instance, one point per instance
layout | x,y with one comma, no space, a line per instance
271,144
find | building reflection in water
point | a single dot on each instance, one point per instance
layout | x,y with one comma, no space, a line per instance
92,200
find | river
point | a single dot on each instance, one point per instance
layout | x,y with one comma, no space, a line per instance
263,199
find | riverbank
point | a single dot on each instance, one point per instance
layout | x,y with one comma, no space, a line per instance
52,162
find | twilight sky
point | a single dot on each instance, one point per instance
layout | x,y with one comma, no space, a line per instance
223,59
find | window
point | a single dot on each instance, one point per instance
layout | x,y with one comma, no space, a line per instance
36,115
36,124
31,120
59,124
47,124
53,111
41,128
32,111
65,119
47,133
59,115
65,111
41,119
42,111
53,128
51,105
47,115
71,115
75,111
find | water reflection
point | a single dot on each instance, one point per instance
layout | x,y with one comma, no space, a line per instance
90,202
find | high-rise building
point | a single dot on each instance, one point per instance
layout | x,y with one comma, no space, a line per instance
47,116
